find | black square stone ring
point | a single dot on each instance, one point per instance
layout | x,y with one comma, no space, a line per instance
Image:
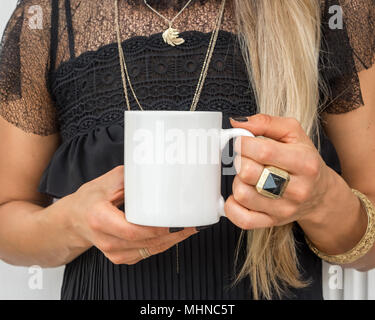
273,182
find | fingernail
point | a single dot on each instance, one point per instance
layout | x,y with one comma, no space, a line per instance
174,230
202,228
240,119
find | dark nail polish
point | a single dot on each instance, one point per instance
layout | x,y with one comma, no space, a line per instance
240,119
174,230
202,228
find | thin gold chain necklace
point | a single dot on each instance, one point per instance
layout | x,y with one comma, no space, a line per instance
124,69
171,36
125,74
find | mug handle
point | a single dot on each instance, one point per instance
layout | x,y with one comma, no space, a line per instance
225,136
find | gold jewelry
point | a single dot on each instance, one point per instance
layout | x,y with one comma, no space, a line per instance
124,70
171,35
174,37
363,246
272,182
144,253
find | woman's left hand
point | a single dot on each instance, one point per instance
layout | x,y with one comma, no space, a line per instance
290,149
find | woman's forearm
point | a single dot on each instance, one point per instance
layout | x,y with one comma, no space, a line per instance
33,235
341,226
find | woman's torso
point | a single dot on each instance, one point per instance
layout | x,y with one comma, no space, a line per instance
89,97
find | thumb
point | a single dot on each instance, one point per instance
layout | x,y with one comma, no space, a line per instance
112,183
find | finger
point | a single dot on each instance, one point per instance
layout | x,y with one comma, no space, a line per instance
274,153
244,218
282,129
160,241
118,198
179,237
297,191
165,241
133,256
110,220
111,183
248,197
248,170
108,243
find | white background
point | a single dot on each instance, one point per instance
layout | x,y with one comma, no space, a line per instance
17,282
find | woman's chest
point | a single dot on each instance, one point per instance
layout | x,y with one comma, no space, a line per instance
89,90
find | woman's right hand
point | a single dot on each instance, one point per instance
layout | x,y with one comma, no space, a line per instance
96,221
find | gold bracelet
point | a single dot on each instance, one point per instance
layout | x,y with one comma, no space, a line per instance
363,246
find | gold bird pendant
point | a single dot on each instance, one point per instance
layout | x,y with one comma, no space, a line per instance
171,36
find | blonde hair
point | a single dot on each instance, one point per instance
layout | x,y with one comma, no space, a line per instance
280,40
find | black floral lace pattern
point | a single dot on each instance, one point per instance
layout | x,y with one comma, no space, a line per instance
27,102
90,94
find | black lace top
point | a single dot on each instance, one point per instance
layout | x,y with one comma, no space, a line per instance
59,73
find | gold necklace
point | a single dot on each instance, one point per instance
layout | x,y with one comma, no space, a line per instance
171,36
211,46
125,74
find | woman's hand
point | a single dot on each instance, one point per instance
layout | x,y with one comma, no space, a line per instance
288,148
96,220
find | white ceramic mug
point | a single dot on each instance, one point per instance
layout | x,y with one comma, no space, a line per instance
173,167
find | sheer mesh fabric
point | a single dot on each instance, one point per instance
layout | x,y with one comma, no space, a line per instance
346,52
24,61
25,98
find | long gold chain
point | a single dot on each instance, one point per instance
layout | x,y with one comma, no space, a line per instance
124,69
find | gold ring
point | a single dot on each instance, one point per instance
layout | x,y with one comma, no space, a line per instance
145,253
272,182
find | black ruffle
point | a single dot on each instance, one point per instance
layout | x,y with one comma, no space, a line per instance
82,159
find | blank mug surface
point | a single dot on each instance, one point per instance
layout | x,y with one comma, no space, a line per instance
173,167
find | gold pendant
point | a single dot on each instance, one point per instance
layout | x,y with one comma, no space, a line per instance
172,37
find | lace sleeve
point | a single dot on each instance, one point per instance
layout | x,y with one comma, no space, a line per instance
24,58
347,49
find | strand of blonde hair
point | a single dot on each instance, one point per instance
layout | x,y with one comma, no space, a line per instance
280,40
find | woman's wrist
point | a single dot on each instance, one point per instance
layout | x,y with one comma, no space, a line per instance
340,223
62,214
35,235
